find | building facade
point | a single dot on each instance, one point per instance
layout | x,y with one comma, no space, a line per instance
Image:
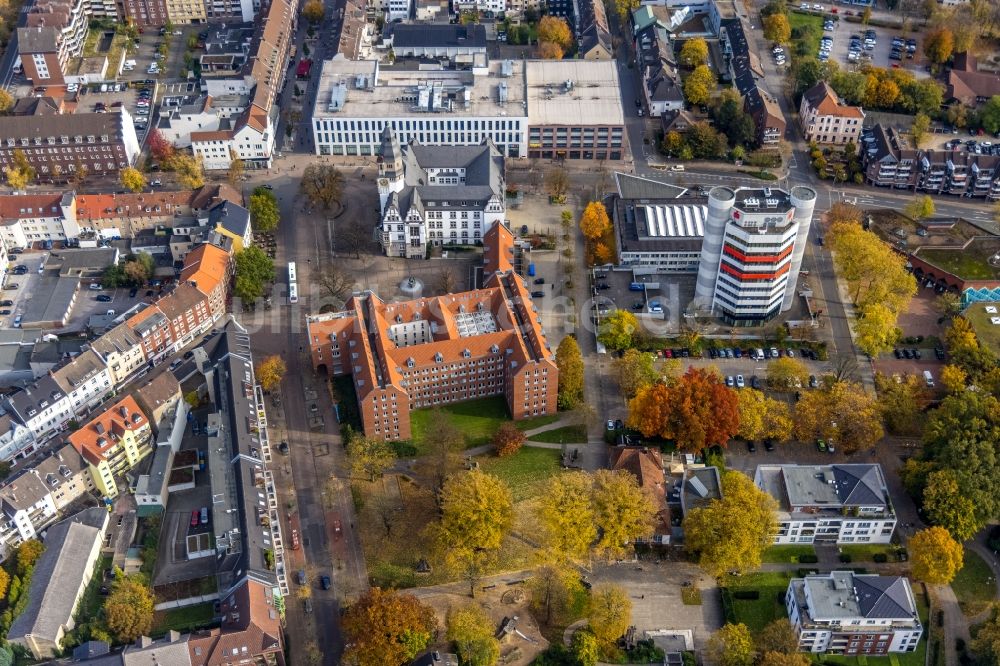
825,119
437,194
752,253
842,504
842,612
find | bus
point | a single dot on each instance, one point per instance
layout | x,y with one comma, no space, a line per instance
293,293
291,273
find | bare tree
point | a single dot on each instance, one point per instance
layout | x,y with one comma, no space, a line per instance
334,285
845,369
387,511
557,182
444,443
445,281
354,237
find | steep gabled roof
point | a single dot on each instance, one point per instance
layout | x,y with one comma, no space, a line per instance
825,102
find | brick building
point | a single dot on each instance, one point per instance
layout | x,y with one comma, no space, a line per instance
439,350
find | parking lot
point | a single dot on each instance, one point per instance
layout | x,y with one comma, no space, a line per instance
658,300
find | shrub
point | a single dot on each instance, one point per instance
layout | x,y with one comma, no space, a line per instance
808,559
845,558
880,558
748,595
507,440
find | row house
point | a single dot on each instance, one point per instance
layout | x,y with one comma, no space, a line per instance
35,498
52,32
888,161
125,215
768,119
42,408
86,379
208,268
122,351
113,443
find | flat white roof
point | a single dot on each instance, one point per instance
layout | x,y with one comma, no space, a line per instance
675,221
593,98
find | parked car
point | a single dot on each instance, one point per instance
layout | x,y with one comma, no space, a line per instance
324,582
739,381
538,294
104,298
821,445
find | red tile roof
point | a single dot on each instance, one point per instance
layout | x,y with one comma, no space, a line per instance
98,436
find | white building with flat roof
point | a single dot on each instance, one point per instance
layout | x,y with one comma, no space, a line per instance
829,503
357,100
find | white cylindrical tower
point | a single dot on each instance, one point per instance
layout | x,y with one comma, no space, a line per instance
804,200
720,205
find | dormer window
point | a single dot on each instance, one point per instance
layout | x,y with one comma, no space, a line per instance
410,362
438,358
102,442
466,353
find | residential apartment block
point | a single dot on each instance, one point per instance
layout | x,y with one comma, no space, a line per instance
34,498
842,504
752,251
842,612
768,119
826,119
113,443
57,145
889,161
435,351
145,13
437,194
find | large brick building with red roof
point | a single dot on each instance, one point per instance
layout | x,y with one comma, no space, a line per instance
439,350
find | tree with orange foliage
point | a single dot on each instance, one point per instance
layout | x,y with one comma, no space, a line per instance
594,222
507,440
555,30
550,51
696,411
602,253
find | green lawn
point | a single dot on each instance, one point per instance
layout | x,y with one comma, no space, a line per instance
789,553
183,619
968,266
974,583
800,20
477,419
525,472
756,613
571,434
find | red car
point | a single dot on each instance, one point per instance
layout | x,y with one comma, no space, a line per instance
336,527
295,539
195,518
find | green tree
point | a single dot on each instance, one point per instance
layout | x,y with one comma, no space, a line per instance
946,506
635,370
732,121
471,631
777,29
566,515
843,413
386,627
254,270
694,53
935,557
128,610
989,115
610,615
902,402
961,436
623,511
920,128
586,648
732,533
704,142
557,596
778,636
570,363
370,457
732,645
618,329
699,85
264,213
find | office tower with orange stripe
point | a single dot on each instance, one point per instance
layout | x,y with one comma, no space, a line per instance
752,252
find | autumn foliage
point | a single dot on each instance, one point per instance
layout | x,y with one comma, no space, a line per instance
598,234
159,147
696,411
387,627
507,440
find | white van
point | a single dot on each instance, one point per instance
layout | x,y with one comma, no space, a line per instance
928,379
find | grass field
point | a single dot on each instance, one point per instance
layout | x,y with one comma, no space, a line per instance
786,554
974,583
183,619
814,31
757,613
525,471
968,266
988,334
866,552
477,419
571,434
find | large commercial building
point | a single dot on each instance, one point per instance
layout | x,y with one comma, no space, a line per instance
829,503
752,252
440,350
550,109
658,226
842,612
437,194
